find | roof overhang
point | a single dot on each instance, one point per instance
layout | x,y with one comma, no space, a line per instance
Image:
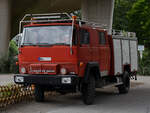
64,5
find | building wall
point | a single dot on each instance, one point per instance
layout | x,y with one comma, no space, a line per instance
4,26
98,11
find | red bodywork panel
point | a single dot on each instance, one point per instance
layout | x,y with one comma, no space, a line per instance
95,52
61,56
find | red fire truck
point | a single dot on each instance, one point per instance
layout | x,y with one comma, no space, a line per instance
61,53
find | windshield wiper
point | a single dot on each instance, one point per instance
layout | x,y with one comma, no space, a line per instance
61,44
28,44
53,44
43,44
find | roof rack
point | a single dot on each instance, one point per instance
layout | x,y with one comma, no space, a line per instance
123,33
44,18
94,24
48,16
55,17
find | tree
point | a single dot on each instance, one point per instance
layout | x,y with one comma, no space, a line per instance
120,14
139,21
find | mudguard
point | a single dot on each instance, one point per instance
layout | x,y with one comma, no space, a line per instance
92,66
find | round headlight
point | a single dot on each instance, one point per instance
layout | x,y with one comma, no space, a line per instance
23,70
63,71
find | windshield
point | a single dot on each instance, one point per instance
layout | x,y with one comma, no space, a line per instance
47,35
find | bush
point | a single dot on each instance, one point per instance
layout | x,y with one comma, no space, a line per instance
8,61
144,63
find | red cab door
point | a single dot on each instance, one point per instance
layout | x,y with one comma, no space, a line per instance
84,49
104,53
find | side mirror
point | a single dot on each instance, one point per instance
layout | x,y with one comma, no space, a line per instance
18,39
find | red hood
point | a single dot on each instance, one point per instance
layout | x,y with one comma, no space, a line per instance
58,54
38,57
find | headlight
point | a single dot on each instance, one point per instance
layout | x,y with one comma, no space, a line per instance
66,80
63,71
23,70
19,79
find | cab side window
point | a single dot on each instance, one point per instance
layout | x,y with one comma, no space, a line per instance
102,38
84,36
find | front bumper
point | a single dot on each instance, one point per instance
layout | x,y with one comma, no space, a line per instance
55,80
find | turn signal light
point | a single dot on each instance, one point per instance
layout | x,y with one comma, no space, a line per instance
81,64
32,87
74,17
17,63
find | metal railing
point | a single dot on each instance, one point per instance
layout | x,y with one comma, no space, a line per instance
55,17
123,33
65,17
43,18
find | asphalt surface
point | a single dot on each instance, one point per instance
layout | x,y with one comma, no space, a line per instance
107,101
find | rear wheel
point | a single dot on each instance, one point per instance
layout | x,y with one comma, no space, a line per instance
39,93
88,91
124,88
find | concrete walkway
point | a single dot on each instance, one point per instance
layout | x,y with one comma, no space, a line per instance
107,101
6,79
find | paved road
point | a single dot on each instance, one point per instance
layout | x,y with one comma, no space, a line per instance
107,101
6,79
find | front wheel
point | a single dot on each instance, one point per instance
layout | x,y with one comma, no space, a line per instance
124,88
39,93
88,91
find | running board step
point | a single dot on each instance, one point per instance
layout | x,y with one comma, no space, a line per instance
111,85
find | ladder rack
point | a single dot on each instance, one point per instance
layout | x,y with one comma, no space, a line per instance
123,33
94,24
49,16
66,18
44,18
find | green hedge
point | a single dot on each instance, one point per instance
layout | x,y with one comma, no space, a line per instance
8,61
144,63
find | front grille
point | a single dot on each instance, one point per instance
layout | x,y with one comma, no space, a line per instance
43,69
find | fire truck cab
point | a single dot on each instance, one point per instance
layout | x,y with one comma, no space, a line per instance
64,54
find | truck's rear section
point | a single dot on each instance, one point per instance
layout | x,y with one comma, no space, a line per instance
125,53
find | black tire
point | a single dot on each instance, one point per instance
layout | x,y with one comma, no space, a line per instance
125,87
39,93
88,91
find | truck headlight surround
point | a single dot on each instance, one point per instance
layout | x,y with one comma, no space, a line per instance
63,71
19,79
23,70
66,80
